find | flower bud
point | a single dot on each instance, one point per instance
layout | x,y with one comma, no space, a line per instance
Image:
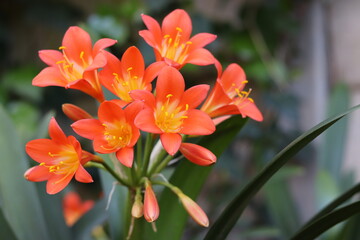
197,154
137,209
74,112
194,210
151,207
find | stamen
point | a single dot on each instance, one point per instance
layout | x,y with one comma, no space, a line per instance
62,47
178,29
169,95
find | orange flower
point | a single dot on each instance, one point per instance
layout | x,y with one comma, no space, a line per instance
172,42
121,77
228,96
74,207
114,131
60,159
172,112
197,154
76,65
151,206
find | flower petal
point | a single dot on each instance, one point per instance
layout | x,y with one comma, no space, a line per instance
170,81
88,128
102,44
82,175
153,71
111,112
57,183
145,96
39,149
133,63
171,142
75,41
200,56
37,174
126,156
55,132
195,95
49,76
232,75
200,40
50,57
249,109
98,62
197,123
145,121
154,28
177,19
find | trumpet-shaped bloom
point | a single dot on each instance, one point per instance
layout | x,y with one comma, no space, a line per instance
228,96
74,208
61,158
197,154
121,77
172,111
76,65
172,42
114,131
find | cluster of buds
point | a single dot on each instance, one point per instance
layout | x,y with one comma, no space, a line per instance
166,115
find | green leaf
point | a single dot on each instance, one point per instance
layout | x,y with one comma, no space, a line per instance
19,200
5,230
190,179
116,195
332,147
280,202
233,211
327,221
335,203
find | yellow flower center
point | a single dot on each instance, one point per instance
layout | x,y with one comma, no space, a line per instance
169,117
175,49
117,134
64,162
124,86
241,95
71,70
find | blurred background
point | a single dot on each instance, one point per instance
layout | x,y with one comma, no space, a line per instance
301,59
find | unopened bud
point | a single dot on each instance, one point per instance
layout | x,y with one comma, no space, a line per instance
74,112
194,210
137,209
197,154
151,207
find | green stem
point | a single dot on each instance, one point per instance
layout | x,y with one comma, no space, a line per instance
147,153
161,165
114,174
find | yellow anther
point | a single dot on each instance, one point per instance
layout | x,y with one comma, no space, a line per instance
61,162
183,117
167,36
166,114
129,69
61,61
82,54
42,164
172,115
244,82
179,29
189,42
162,108
251,100
62,47
186,107
169,95
135,77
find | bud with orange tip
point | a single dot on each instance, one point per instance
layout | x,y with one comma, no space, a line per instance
197,154
74,112
151,207
194,210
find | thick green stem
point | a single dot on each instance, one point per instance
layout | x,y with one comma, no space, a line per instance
161,165
114,174
147,153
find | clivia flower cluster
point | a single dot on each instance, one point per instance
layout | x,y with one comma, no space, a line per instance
143,129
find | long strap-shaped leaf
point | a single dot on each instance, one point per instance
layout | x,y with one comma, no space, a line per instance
334,204
329,220
232,213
